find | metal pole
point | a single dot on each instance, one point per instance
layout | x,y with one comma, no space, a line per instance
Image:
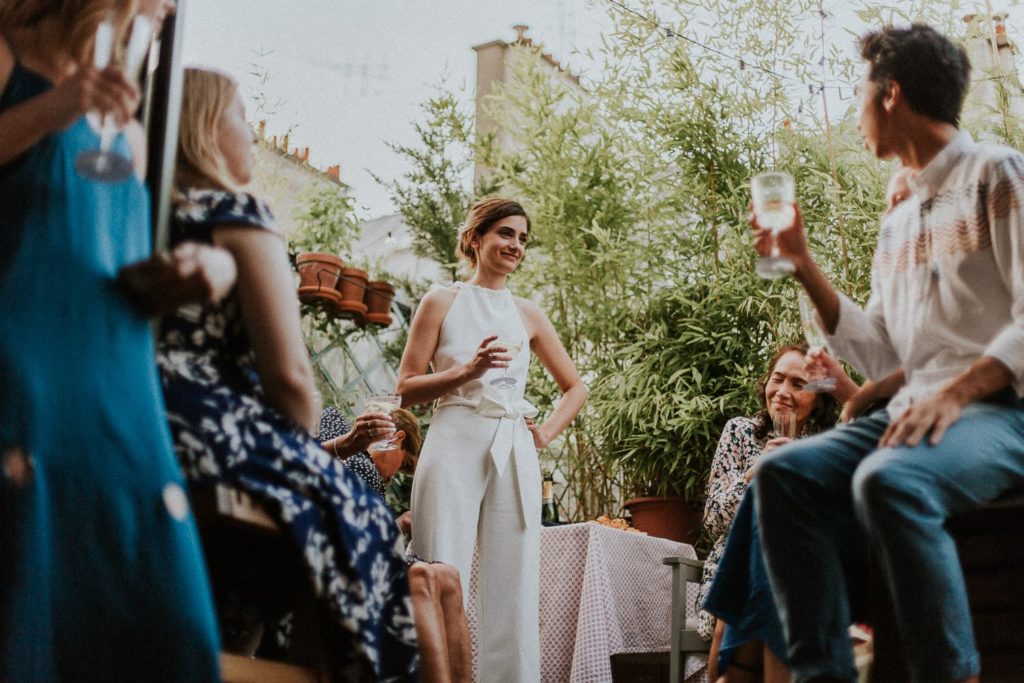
163,113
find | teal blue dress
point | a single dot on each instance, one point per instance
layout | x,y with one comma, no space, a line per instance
101,574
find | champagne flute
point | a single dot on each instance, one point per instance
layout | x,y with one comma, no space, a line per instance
819,382
513,347
784,424
382,403
773,195
104,164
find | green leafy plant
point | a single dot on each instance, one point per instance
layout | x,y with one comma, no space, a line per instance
637,185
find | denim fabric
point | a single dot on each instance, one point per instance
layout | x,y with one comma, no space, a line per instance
808,493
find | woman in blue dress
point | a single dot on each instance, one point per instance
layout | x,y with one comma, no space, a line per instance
101,574
242,403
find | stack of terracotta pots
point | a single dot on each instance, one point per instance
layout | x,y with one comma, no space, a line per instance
379,296
318,274
345,292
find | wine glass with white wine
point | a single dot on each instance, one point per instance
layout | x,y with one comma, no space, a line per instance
819,382
104,164
513,347
772,195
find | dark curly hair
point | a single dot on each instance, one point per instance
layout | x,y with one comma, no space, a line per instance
823,415
931,69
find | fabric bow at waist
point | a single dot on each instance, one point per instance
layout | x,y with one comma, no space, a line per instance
511,429
512,434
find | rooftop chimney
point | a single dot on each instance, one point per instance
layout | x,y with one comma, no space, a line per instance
521,30
335,172
263,128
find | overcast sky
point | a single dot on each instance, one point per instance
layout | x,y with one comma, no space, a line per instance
348,75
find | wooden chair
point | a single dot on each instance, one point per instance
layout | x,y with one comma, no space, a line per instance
245,547
991,551
684,638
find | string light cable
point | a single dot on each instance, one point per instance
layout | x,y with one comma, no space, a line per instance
743,62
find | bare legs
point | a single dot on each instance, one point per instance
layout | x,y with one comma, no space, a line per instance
716,645
441,625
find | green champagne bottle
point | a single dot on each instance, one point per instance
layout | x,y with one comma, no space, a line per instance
548,510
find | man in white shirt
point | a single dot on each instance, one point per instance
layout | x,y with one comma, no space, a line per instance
947,305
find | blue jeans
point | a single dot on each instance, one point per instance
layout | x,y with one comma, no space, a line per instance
809,492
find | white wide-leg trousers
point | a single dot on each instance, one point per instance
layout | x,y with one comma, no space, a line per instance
460,501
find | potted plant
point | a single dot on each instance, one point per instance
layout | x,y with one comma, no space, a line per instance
352,287
318,277
379,295
691,359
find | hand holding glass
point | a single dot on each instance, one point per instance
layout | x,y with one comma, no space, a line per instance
104,164
512,347
386,404
772,195
820,382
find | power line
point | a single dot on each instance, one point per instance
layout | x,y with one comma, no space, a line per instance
741,61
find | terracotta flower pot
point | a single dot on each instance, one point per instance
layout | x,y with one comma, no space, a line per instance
378,303
677,519
318,274
352,285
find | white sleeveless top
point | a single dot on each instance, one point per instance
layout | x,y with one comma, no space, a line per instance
477,313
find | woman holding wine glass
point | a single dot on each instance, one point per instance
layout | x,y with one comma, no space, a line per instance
747,642
788,412
478,479
100,559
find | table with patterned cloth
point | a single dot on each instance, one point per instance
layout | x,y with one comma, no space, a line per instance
602,592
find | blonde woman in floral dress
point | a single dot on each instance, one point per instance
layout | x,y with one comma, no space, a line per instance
241,399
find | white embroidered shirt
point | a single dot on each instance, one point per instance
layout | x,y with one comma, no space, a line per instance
947,277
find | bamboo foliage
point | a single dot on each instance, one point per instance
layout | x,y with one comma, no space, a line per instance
638,190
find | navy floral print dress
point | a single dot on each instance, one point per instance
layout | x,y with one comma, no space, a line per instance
224,431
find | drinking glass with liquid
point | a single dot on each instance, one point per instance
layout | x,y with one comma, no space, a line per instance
784,424
386,404
772,195
513,347
816,342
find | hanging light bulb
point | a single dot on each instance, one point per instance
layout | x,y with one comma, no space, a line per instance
390,240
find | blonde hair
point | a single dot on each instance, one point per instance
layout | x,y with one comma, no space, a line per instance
207,95
407,422
78,20
482,215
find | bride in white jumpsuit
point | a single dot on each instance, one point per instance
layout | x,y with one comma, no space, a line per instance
478,480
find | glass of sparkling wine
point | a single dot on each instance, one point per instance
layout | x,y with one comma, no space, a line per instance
382,403
513,347
773,195
784,424
104,164
816,341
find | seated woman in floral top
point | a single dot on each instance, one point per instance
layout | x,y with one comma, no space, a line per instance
743,442
348,444
241,402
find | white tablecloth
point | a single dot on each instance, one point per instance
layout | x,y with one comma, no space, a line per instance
602,592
